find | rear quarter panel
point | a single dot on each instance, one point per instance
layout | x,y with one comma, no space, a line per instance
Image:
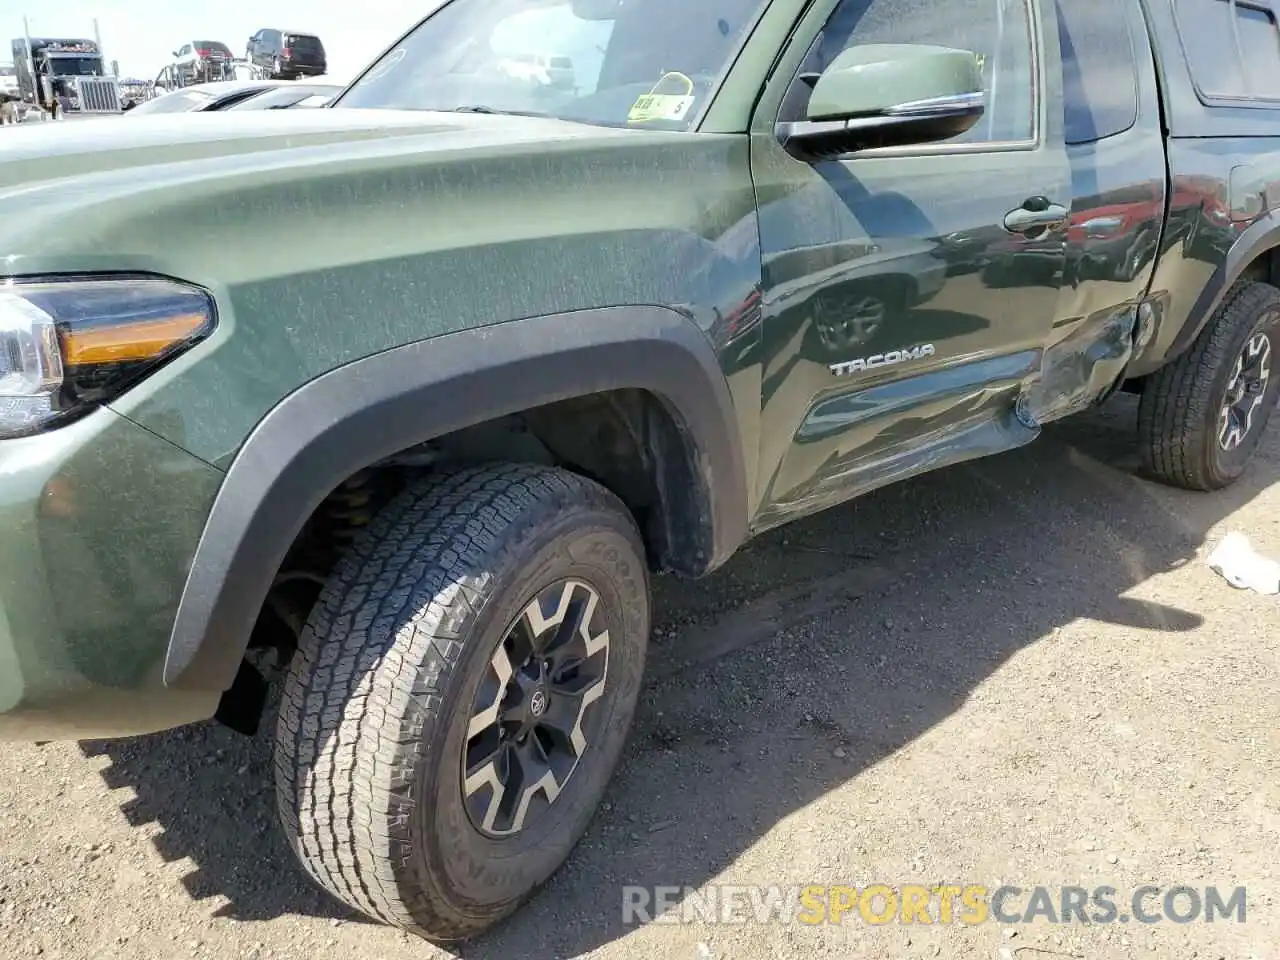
1223,173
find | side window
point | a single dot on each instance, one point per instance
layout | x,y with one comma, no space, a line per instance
184,50
1099,69
1259,50
998,31
1233,48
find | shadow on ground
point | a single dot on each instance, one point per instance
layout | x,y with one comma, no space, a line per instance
858,629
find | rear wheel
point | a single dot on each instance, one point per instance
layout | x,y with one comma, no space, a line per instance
1203,417
461,695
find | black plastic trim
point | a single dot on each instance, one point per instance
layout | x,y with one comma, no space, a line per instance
367,410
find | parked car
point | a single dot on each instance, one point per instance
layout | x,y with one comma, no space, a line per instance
201,61
287,54
226,94
443,379
289,96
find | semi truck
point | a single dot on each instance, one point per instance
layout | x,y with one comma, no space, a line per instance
65,76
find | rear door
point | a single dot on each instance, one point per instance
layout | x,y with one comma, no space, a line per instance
305,49
1115,144
907,298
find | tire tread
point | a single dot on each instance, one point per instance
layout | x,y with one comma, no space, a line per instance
344,763
1175,419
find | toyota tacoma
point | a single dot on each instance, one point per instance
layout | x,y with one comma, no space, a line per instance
419,389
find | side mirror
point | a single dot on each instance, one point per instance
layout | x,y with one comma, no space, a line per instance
888,95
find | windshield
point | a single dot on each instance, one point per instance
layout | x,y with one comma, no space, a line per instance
282,99
609,62
182,102
75,66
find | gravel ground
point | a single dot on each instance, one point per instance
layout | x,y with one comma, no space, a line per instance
1017,671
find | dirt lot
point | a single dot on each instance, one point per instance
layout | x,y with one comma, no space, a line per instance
1018,671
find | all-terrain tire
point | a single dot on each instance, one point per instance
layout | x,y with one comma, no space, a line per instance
1179,414
374,721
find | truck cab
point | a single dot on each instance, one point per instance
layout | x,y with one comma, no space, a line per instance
66,76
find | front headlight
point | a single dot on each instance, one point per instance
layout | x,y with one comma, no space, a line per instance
68,346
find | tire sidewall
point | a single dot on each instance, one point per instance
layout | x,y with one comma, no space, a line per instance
592,545
1226,466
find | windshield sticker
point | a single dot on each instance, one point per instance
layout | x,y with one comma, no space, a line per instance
656,105
659,106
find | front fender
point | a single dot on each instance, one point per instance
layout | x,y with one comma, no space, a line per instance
367,410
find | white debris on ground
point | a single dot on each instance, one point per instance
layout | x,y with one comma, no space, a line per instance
1243,567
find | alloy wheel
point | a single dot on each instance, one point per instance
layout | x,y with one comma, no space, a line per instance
1246,392
531,719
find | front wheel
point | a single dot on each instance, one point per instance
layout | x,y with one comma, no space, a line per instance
1202,418
461,694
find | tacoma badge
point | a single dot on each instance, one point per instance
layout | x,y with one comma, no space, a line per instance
918,352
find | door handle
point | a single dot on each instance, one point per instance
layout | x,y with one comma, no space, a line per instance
1036,215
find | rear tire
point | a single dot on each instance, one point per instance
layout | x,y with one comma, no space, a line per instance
388,759
1192,433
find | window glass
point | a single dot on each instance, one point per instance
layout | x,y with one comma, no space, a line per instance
1260,45
998,31
610,62
1099,72
1209,32
182,102
305,43
281,98
76,67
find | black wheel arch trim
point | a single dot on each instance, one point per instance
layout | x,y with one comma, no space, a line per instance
1259,237
364,411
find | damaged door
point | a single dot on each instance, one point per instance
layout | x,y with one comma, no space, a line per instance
1115,144
908,292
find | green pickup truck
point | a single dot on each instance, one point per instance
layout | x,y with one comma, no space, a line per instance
419,389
